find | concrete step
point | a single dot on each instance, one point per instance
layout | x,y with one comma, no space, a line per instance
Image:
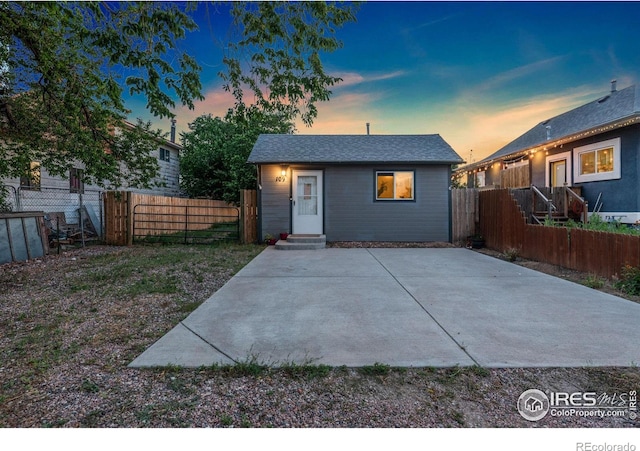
306,238
302,242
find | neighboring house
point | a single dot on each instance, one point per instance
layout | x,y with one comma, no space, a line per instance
595,147
38,190
355,187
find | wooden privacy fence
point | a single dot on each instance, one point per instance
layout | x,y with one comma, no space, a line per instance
464,213
517,177
249,215
185,223
129,215
503,226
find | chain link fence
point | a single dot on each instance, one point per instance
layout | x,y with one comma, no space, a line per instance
67,214
8,198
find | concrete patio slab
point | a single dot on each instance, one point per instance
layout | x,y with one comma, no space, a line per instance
505,315
182,347
336,321
402,307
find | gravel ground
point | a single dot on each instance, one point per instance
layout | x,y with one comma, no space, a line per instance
70,324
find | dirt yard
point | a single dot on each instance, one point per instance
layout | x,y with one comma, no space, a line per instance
70,324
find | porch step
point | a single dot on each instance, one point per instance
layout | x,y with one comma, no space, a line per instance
302,242
556,218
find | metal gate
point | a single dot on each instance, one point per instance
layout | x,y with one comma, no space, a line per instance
157,223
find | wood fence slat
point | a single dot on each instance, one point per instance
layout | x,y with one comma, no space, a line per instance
464,213
600,253
161,214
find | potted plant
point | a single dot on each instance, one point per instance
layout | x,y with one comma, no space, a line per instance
475,241
284,235
269,239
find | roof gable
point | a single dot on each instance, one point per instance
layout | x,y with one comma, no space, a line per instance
608,109
351,149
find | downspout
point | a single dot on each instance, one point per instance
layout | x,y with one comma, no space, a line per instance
259,200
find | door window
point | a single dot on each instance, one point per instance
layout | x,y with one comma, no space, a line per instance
307,190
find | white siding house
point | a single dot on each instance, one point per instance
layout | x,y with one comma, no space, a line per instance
40,191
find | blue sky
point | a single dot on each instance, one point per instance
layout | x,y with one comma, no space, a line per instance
477,73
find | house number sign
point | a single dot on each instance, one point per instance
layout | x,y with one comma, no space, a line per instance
281,178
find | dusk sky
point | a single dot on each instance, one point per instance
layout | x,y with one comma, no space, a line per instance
477,73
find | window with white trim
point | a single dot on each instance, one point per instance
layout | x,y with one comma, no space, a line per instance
598,161
394,185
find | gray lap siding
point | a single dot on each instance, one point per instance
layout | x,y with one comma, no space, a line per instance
274,213
351,212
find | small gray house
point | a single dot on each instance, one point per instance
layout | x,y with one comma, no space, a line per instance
355,187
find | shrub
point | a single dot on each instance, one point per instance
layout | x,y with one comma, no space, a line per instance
593,281
629,280
511,254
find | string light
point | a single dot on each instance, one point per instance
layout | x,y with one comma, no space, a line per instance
521,155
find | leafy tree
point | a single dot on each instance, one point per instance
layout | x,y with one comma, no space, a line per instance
63,69
277,55
214,159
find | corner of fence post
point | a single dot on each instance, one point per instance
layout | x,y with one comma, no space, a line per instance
129,219
242,214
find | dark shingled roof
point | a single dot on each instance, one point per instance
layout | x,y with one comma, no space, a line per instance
352,149
610,108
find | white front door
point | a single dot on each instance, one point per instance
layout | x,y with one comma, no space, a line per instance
307,202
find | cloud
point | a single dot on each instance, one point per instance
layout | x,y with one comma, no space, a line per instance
499,80
345,114
433,22
216,103
342,109
355,78
485,125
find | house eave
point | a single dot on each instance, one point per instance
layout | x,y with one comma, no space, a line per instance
613,125
354,163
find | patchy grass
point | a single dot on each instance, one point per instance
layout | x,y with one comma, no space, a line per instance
377,369
72,323
593,281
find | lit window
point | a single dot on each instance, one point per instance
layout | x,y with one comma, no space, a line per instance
396,185
587,163
481,179
31,177
599,161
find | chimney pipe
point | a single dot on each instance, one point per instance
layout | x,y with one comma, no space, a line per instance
367,128
173,130
613,85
